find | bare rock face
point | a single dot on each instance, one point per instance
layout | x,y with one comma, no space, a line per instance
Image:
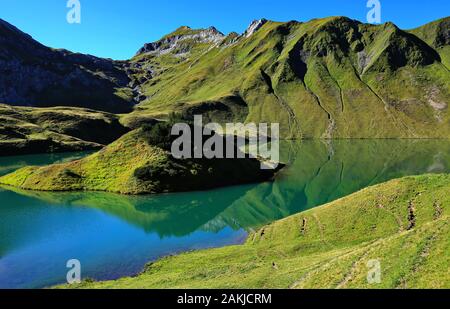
254,26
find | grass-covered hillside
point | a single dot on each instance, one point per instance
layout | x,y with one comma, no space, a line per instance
403,224
331,78
437,35
26,130
326,78
139,162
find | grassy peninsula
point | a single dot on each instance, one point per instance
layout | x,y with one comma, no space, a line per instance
138,163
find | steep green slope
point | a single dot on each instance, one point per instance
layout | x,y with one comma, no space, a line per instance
138,163
331,77
437,35
27,130
403,224
326,78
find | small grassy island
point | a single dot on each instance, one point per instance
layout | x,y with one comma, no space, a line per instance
139,163
402,224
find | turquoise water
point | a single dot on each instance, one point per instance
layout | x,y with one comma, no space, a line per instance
113,235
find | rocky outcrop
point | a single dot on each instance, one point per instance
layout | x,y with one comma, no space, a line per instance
182,40
175,42
254,26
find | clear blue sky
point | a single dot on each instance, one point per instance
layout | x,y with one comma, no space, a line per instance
118,28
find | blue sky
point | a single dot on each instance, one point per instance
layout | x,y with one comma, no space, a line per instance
118,28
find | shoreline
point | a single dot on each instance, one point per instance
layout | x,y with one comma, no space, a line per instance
241,255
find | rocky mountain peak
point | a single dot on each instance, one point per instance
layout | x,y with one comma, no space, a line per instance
254,26
182,35
213,29
211,34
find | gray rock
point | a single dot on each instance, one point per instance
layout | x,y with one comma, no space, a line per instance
173,44
254,26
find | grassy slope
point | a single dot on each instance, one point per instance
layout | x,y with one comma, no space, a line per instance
25,130
331,77
133,165
436,34
403,223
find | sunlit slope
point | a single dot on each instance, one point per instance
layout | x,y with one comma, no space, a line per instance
404,224
326,78
331,77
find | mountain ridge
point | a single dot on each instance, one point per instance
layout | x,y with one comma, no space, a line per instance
331,77
32,74
350,60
